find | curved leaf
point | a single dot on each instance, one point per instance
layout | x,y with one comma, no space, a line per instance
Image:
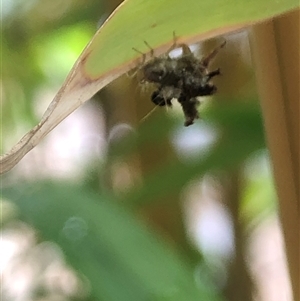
110,54
121,258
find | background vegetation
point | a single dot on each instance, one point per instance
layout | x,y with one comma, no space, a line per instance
112,208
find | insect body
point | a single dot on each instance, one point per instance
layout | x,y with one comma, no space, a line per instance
184,78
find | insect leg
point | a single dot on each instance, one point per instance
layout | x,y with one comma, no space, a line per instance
205,61
174,45
143,56
185,48
213,73
151,49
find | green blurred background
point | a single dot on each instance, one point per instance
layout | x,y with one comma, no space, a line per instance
111,208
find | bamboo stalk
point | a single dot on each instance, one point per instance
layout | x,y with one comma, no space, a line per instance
277,71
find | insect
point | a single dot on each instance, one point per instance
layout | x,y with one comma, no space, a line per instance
184,78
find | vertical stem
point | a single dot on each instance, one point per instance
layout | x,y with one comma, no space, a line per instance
239,285
280,109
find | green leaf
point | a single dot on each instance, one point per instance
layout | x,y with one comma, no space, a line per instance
242,135
110,54
121,258
136,21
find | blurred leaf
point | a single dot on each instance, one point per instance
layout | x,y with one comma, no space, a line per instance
242,134
57,52
120,257
259,196
109,54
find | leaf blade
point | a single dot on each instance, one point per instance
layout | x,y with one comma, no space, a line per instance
121,258
104,58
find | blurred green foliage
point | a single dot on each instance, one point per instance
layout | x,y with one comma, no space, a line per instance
121,257
40,42
101,239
